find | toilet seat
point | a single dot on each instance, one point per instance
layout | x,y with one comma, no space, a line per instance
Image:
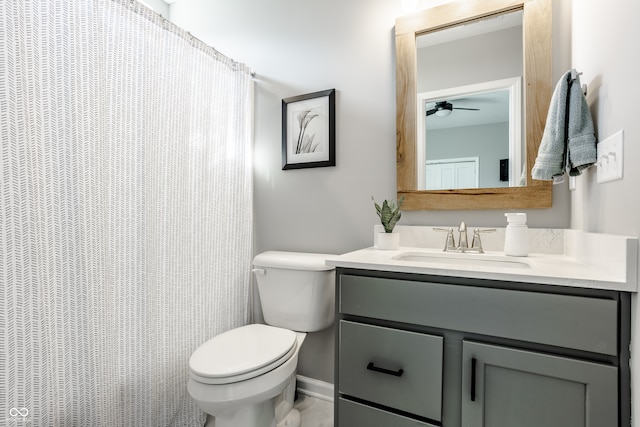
241,354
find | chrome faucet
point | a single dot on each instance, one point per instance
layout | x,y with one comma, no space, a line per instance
463,240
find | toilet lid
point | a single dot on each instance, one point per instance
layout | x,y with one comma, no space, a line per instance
240,351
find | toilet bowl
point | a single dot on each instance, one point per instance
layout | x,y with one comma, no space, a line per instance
237,377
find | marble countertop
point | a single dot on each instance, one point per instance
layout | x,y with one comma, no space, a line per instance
614,270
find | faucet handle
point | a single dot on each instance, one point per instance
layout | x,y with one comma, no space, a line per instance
483,230
476,243
450,242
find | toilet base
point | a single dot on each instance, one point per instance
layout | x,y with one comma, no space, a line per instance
261,414
286,414
275,412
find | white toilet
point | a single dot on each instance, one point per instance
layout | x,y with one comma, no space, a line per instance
245,377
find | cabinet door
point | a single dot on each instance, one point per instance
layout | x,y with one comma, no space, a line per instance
505,387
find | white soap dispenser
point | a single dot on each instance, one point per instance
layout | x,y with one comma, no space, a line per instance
516,239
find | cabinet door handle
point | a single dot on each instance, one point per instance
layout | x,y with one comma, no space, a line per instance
397,373
473,379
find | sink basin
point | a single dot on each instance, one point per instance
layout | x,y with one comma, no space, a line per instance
463,259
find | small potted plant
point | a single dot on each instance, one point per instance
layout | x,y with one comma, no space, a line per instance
389,215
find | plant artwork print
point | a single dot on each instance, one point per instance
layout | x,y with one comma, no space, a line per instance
305,140
308,137
308,124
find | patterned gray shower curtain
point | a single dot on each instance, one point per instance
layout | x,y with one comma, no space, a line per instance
125,211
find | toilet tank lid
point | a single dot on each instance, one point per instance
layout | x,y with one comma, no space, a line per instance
293,260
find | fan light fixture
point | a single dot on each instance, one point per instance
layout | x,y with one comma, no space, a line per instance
444,108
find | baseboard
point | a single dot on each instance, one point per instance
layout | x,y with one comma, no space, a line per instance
314,388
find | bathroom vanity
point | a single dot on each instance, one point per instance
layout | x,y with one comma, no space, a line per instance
434,341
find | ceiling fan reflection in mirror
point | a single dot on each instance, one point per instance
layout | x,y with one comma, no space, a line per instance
444,108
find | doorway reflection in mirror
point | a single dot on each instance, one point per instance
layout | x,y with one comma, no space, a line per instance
466,133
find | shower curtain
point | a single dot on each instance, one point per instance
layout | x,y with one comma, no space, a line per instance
125,212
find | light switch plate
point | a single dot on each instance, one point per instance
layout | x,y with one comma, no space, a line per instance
610,158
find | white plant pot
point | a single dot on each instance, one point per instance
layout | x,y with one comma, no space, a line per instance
388,241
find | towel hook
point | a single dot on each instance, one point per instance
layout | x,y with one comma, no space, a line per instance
574,75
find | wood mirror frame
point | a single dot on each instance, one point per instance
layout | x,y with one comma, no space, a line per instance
537,81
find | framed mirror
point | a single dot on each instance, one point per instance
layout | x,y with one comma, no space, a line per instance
412,103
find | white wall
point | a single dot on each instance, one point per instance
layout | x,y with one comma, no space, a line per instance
604,48
297,47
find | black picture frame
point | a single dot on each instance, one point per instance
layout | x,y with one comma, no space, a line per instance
309,130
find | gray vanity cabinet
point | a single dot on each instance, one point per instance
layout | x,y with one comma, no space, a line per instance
416,350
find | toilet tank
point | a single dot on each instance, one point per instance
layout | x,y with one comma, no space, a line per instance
297,290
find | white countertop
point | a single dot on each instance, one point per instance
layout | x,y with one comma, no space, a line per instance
579,270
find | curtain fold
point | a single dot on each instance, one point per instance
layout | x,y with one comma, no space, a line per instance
125,212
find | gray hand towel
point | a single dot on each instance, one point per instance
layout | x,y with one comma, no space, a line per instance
581,136
569,140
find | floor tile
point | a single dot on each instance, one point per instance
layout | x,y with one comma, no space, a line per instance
315,412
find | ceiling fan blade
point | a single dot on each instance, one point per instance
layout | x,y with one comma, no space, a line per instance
432,111
470,109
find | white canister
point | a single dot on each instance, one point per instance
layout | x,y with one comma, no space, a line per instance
516,239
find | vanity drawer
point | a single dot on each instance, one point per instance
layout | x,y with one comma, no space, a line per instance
582,323
392,367
352,414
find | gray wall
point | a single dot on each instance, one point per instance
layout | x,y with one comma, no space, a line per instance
299,47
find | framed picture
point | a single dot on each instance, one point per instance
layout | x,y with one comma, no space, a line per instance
309,130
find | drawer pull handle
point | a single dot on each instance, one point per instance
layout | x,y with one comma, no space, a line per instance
473,379
374,368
